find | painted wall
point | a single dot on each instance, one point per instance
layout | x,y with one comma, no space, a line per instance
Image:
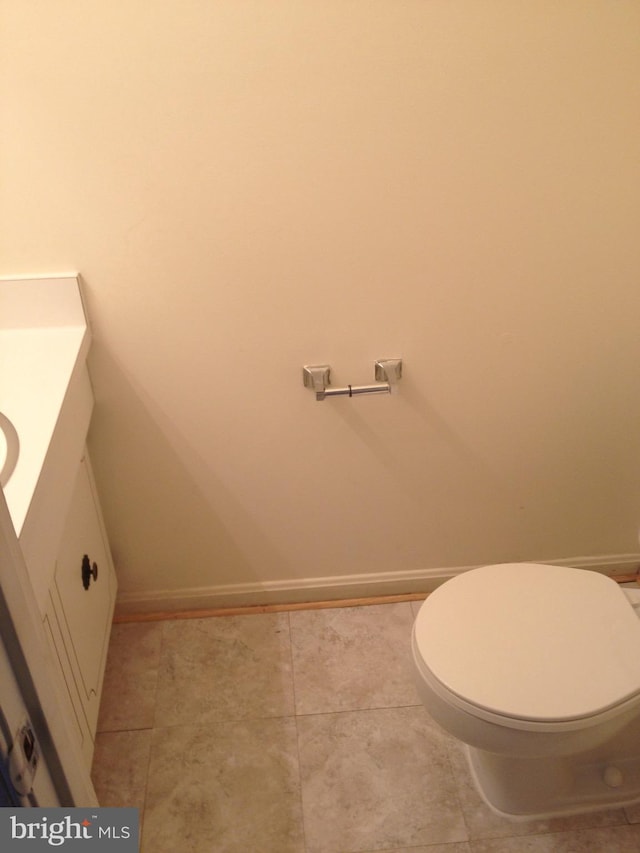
247,187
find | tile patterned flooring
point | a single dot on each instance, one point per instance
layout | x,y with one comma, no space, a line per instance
299,732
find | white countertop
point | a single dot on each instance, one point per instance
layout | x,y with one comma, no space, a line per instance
36,366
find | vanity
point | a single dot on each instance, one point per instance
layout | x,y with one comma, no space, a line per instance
46,401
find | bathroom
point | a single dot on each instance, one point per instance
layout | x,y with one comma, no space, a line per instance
248,188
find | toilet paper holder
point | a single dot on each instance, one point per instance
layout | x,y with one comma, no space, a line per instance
387,372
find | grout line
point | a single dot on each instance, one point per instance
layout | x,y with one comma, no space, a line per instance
143,811
329,712
131,729
449,745
293,671
295,723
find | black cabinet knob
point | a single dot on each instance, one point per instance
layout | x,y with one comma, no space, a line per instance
89,570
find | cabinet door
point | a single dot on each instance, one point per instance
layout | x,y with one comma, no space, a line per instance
76,713
85,609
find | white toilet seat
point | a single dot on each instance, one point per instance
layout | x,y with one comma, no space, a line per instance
531,646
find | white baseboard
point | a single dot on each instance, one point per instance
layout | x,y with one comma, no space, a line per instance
332,587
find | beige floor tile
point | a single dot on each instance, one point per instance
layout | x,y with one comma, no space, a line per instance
382,778
482,822
224,788
119,772
228,668
615,839
353,658
376,780
415,607
129,689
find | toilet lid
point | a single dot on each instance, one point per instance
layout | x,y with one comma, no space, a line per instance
532,641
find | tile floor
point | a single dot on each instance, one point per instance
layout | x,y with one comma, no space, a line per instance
299,732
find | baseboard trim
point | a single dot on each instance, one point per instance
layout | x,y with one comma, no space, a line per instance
330,591
253,609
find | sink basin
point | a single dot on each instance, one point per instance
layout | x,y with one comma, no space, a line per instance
46,403
9,449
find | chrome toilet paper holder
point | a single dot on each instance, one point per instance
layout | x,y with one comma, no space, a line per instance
387,372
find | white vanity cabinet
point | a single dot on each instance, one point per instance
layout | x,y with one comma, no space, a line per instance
80,606
46,401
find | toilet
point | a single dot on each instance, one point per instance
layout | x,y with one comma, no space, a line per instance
536,669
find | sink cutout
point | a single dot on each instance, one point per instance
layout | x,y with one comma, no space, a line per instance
9,449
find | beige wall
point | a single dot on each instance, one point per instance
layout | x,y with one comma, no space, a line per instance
247,187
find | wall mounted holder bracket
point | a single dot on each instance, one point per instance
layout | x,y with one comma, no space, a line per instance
318,378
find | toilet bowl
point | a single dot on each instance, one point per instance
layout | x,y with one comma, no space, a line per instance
536,669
